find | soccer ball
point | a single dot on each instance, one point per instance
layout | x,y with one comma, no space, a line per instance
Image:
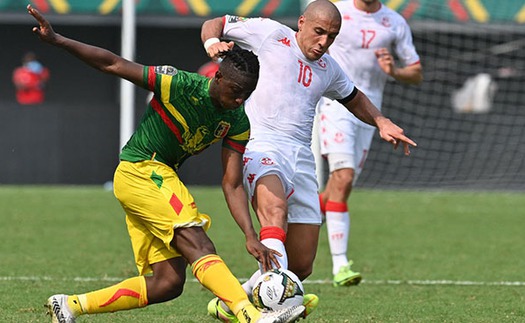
277,289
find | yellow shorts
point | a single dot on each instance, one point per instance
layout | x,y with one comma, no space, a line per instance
155,201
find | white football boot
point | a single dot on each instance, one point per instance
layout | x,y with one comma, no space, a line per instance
59,310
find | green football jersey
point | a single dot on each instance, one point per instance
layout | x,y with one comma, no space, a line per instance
181,121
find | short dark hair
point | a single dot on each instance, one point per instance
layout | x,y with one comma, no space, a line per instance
241,61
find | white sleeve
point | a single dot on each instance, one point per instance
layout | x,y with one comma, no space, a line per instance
248,33
340,85
404,46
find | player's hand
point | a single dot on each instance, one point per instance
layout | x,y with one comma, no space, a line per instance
390,132
216,50
385,61
266,256
44,31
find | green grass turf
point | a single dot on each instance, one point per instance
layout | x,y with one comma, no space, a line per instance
425,256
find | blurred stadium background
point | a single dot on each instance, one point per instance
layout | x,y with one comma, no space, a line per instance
468,116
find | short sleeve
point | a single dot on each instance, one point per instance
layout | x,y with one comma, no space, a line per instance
248,33
340,86
404,46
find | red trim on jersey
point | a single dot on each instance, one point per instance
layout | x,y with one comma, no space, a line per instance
332,206
415,63
119,293
271,232
237,147
151,78
158,108
180,6
270,7
176,204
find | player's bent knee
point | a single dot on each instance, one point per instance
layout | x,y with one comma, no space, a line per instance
343,176
301,272
164,289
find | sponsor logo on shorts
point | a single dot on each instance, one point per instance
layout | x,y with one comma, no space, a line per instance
339,137
250,178
267,161
246,160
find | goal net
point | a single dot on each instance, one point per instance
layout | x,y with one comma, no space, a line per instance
468,115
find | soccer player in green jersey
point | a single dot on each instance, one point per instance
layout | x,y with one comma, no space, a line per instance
188,113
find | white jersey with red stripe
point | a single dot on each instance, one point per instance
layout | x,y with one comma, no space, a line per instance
361,34
290,85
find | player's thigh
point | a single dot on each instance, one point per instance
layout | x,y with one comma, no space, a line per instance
153,193
269,201
156,202
258,164
301,247
303,203
363,142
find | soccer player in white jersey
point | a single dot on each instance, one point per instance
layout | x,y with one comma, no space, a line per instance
369,32
279,167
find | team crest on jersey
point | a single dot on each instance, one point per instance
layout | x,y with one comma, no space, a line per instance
385,22
321,63
222,129
267,161
234,19
166,70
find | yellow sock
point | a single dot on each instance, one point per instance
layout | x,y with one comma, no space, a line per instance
248,314
74,305
128,294
212,273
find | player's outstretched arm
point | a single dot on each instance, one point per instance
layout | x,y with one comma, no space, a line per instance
96,57
365,111
238,204
211,31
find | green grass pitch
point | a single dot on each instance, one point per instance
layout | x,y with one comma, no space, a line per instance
425,256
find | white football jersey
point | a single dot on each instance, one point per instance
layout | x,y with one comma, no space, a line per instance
361,34
290,85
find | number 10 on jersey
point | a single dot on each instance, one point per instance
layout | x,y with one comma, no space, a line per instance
305,74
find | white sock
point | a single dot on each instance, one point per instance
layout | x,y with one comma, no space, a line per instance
277,245
338,227
271,243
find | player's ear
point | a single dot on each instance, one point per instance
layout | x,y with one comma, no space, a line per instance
218,75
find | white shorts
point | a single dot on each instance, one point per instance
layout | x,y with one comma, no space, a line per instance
294,164
344,139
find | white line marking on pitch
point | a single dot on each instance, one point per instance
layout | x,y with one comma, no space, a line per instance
315,282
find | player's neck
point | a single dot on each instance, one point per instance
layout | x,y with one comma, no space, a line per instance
367,6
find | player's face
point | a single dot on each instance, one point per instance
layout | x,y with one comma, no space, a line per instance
316,34
233,93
